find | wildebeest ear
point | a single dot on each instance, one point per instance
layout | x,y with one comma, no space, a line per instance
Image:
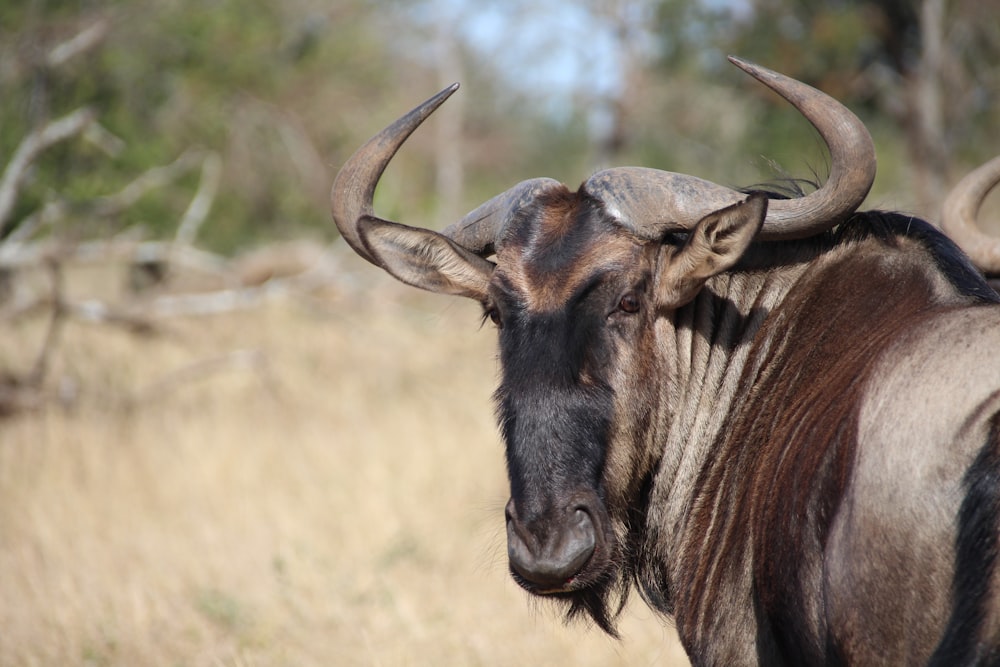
423,258
714,245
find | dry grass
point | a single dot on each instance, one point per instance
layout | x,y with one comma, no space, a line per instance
336,502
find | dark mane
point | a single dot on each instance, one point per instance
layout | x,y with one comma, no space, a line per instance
887,226
783,188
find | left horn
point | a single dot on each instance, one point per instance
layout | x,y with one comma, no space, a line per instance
354,187
959,212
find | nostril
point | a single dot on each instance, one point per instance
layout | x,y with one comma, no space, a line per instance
581,540
580,524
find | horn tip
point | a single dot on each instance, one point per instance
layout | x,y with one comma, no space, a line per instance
753,69
433,103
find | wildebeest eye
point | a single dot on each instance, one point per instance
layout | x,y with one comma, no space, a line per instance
494,316
629,304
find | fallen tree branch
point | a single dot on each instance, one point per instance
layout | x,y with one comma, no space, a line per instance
146,312
27,255
98,312
26,391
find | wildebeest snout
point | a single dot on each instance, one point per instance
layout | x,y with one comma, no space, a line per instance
548,552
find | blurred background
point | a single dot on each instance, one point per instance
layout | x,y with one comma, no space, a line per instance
224,440
284,92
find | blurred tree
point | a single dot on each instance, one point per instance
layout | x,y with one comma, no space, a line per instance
498,129
270,86
284,92
671,110
927,68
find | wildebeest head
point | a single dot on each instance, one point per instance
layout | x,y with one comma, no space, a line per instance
578,284
575,297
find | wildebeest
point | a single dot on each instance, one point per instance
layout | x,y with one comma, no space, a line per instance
778,418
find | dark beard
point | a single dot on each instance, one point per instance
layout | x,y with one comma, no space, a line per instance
603,601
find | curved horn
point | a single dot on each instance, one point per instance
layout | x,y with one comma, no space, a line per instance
653,202
354,187
959,212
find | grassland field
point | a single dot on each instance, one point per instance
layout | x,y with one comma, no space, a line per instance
313,482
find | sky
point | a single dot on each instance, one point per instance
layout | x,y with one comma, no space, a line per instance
562,44
555,49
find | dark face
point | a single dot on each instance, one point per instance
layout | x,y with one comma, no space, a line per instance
578,301
570,293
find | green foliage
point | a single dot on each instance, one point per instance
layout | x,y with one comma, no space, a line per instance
826,44
284,92
248,79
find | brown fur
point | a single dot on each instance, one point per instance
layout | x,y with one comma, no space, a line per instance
545,258
787,451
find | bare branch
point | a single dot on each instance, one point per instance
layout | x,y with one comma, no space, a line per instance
52,211
157,177
36,378
201,204
83,41
20,392
15,398
13,251
105,141
28,151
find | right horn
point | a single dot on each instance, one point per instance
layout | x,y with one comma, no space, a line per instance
653,202
959,213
